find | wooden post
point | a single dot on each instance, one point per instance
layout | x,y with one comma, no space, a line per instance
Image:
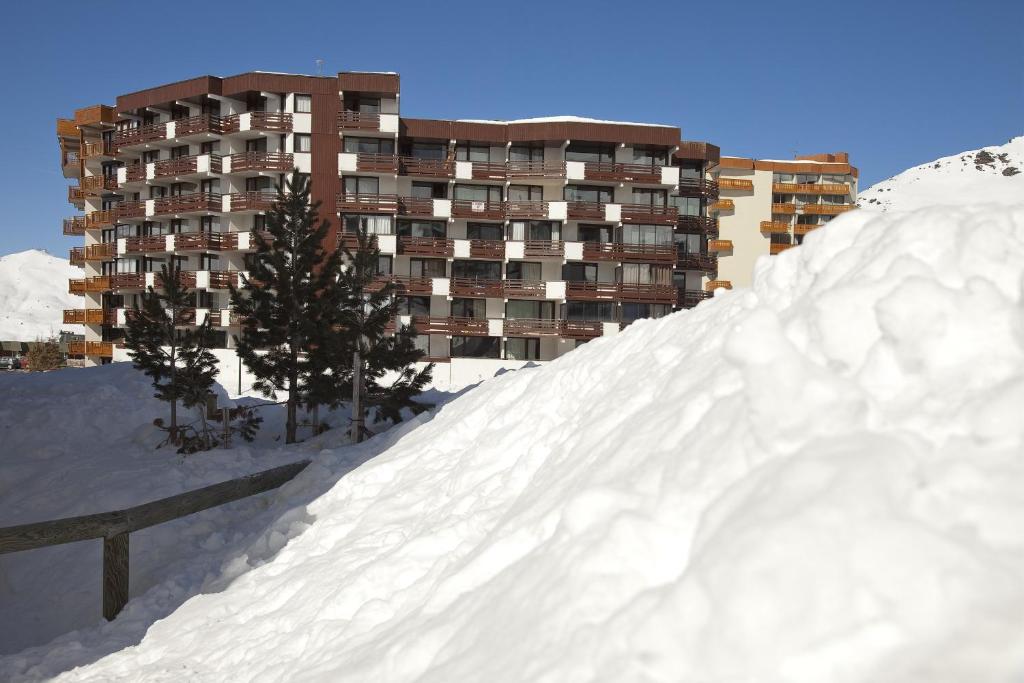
115,574
225,417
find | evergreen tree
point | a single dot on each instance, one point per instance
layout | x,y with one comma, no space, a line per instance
365,352
196,376
288,299
178,361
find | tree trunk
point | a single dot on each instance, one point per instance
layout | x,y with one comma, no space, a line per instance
357,397
293,390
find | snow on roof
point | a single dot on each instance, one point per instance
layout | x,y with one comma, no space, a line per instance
566,119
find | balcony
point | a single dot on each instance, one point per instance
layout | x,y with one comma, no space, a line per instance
740,184
581,329
486,170
99,283
76,286
97,150
826,209
367,203
784,208
526,210
698,187
268,121
533,327
74,227
585,211
774,227
426,168
615,251
415,206
149,244
703,262
544,248
377,163
525,289
76,196
689,298
100,252
354,120
810,188
804,228
86,316
197,202
99,219
648,213
252,201
462,327
119,281
261,161
717,284
129,210
487,249
647,292
535,169
92,348
426,246
140,135
478,210
723,205
779,248
135,173
97,184
477,287
201,125
591,291
406,284
189,165
718,246
705,225
76,256
632,173
206,241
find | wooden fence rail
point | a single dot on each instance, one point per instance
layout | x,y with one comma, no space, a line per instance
113,527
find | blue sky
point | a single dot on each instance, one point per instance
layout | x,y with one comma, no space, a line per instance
894,83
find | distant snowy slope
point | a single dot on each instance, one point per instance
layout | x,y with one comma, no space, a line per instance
34,294
815,479
991,175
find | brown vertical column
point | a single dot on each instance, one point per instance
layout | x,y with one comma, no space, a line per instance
324,160
115,575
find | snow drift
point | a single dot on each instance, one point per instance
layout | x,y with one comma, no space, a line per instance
817,479
990,175
34,294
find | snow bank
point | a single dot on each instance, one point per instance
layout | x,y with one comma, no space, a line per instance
994,177
34,294
814,480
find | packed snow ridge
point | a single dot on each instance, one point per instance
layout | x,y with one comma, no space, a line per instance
34,294
815,479
990,175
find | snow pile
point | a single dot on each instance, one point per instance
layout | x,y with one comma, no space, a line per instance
992,175
814,480
34,294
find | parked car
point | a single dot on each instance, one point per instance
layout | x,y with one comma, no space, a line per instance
8,363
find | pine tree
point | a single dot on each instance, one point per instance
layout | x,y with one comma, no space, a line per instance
364,345
178,361
288,299
197,374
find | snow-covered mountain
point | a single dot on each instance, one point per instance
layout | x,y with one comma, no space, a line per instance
990,175
815,479
34,294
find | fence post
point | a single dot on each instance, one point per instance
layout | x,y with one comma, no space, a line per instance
115,574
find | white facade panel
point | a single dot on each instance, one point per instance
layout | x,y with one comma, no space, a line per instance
558,211
461,249
441,286
573,251
443,208
613,212
464,170
514,249
347,162
575,170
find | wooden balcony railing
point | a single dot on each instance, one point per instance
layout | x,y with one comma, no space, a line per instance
535,169
148,244
688,298
719,245
99,252
99,219
779,248
703,262
774,227
613,172
533,327
811,188
98,283
615,251
185,165
698,187
92,348
426,246
486,170
428,168
76,256
197,202
804,228
469,327
706,225
591,291
203,123
525,289
544,248
135,173
581,329
476,287
480,210
377,163
367,203
252,201
140,134
75,226
648,213
76,196
585,211
93,150
206,241
718,284
826,209
407,284
487,249
354,120
526,209
129,210
119,281
736,184
76,286
262,161
85,316
97,184
270,121
784,208
647,292
415,206
723,205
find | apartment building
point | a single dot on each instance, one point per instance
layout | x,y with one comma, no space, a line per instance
508,241
767,206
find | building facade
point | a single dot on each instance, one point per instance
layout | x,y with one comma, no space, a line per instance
769,206
509,242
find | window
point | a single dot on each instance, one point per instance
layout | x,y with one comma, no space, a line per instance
427,267
258,184
529,271
806,178
256,145
178,226
467,151
595,233
208,261
384,264
414,305
478,193
517,348
647,234
150,156
427,150
529,310
210,186
179,151
588,193
484,231
303,104
632,311
525,193
783,177
178,112
645,274
209,224
360,185
303,142
688,206
479,270
413,228
593,152
211,147
429,190
369,146
603,311
259,222
362,104
469,308
650,197
370,223
780,238
579,272
526,152
476,347
535,230
650,156
690,172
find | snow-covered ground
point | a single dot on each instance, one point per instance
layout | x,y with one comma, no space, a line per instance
34,294
991,175
817,479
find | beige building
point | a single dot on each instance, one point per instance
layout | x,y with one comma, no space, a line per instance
766,206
